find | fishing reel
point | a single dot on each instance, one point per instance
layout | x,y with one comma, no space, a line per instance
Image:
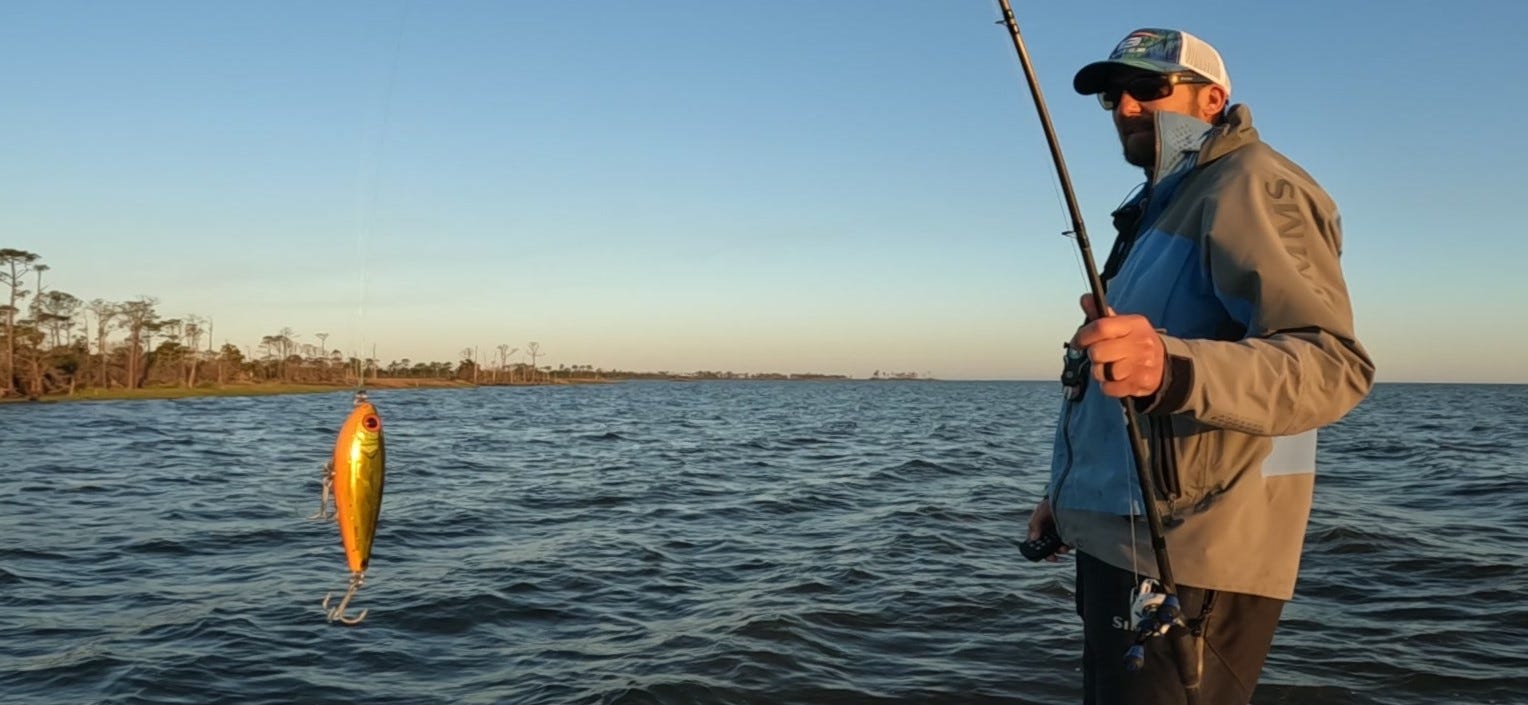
1075,367
1155,612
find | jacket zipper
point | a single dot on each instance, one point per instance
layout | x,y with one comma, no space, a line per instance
1066,436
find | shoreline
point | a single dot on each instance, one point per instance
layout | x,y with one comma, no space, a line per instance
254,389
271,389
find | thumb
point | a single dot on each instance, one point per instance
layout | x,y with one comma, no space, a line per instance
1090,307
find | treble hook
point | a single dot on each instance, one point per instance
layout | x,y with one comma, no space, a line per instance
337,613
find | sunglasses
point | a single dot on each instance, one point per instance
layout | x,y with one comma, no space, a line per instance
1145,87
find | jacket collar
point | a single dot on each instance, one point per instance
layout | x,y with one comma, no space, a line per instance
1179,139
1235,132
1184,142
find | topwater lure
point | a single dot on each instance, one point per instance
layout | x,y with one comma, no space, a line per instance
355,475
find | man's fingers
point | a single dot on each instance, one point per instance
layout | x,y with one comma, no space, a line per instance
1108,329
1113,370
1088,335
1040,519
1118,338
1116,350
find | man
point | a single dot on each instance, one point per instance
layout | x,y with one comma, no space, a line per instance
1234,342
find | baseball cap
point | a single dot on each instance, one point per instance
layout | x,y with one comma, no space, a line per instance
1158,51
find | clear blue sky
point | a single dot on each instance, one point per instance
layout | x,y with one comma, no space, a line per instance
782,186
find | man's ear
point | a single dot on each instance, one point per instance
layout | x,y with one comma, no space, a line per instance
1212,102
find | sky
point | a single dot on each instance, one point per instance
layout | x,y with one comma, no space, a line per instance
789,186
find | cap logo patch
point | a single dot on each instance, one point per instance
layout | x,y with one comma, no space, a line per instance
1148,45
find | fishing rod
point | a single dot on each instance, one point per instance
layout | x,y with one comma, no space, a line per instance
1168,612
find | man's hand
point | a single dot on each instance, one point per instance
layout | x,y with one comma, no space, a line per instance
1042,521
1126,347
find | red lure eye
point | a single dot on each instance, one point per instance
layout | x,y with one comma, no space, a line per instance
371,423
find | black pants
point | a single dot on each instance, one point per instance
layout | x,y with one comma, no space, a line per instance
1226,656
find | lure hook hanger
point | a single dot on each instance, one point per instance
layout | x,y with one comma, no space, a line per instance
337,613
328,491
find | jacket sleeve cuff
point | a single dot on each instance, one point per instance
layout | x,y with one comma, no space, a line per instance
1177,381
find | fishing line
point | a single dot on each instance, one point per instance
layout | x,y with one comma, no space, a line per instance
368,188
1135,566
1063,227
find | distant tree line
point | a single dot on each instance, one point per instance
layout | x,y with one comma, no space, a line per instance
879,375
53,342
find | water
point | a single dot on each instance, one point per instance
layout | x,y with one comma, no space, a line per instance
718,542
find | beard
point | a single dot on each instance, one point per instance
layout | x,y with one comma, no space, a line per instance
1138,136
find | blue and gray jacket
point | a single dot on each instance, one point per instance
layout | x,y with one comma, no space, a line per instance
1235,258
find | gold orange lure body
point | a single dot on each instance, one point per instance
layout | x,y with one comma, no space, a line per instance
356,476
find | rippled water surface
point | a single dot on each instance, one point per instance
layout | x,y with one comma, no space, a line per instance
717,542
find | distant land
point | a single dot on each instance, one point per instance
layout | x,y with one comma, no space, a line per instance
56,346
463,376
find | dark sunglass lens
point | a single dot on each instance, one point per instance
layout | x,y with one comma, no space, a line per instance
1149,88
1142,88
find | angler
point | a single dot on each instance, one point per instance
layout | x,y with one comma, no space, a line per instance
1194,394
